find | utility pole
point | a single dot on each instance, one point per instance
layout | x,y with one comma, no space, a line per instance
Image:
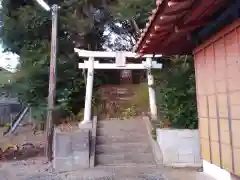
52,85
52,79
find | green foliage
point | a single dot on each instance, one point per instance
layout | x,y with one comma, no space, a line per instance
178,93
26,32
5,76
154,132
141,91
39,112
155,124
138,10
139,102
128,17
80,115
8,125
126,113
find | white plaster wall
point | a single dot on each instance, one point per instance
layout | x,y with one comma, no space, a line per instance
180,147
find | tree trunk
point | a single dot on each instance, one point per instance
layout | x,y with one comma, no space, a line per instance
135,26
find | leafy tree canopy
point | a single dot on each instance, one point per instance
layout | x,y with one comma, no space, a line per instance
26,31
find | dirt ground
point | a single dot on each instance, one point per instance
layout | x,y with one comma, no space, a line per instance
25,144
37,169
24,134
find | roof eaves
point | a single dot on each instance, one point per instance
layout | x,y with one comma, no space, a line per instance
151,19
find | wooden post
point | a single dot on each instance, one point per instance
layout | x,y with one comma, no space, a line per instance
52,85
89,89
151,90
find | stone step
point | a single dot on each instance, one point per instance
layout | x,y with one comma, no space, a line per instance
123,99
125,158
124,123
113,96
117,102
119,122
126,127
123,147
116,91
120,133
115,88
123,129
121,139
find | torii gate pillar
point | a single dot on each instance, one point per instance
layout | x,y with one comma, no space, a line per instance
89,89
151,91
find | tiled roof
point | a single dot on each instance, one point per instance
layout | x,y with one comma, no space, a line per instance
172,20
150,19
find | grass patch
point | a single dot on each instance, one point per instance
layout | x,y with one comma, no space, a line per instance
136,104
141,97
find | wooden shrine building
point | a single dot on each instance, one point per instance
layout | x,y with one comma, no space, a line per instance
210,30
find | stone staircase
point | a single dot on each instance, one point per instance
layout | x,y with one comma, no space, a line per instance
113,98
123,143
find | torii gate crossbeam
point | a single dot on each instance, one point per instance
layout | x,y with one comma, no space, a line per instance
120,63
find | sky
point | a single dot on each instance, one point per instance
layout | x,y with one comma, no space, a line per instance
8,60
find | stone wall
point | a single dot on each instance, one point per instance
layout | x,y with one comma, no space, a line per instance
180,148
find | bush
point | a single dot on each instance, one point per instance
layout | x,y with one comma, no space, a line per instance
80,115
178,94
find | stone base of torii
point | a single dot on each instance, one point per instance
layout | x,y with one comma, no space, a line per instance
120,64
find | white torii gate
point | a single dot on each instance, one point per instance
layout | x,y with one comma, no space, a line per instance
120,63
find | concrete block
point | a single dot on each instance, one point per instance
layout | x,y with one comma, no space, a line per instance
93,142
186,146
170,157
63,164
80,141
71,150
189,158
80,159
186,133
87,125
180,148
198,159
62,145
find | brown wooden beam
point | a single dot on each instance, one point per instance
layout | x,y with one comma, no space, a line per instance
193,25
169,19
177,1
150,43
179,4
175,8
151,40
161,28
182,30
